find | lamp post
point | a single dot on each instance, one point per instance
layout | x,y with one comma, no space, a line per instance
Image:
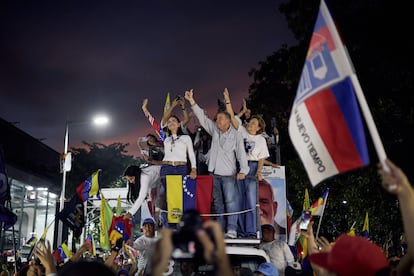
98,120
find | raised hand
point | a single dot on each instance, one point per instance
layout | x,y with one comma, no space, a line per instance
144,105
189,96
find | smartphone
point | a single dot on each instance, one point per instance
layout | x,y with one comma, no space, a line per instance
305,219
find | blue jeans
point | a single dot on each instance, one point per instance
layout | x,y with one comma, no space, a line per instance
168,170
226,200
248,200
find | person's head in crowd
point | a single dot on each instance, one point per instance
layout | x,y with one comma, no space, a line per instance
223,120
133,175
85,268
174,126
242,271
267,269
151,139
187,268
148,227
352,255
122,272
247,114
268,232
267,203
256,125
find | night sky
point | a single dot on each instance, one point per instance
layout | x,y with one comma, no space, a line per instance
68,60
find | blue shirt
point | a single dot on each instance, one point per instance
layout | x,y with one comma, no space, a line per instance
226,147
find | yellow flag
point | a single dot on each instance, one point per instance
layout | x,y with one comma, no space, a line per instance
174,192
118,206
167,103
105,223
366,223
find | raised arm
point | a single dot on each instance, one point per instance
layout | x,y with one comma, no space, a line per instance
229,109
152,120
205,122
244,109
396,182
168,112
186,117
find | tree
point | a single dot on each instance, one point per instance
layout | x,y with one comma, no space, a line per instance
383,62
112,159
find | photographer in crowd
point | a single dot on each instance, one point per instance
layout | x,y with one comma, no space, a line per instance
213,249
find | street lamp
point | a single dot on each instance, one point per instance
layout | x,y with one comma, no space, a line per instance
99,121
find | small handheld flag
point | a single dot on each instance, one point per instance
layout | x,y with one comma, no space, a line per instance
90,187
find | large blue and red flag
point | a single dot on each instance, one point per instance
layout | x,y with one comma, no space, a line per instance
90,187
325,125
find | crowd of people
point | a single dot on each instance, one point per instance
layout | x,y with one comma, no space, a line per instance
233,149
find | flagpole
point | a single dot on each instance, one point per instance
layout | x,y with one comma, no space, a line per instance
358,91
323,211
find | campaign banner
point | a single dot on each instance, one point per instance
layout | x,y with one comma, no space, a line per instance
272,199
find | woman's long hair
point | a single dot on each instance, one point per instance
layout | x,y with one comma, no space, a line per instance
133,189
179,130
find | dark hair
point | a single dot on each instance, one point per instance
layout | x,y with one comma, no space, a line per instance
133,189
152,136
179,131
262,123
85,268
222,112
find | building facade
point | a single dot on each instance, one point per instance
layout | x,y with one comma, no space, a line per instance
33,173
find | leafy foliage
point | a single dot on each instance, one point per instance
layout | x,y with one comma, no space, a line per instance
384,68
112,159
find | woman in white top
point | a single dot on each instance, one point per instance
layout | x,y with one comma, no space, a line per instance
256,151
178,148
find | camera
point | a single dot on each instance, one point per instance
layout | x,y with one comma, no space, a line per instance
179,97
185,242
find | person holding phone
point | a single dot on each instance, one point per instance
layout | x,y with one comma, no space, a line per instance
305,220
278,250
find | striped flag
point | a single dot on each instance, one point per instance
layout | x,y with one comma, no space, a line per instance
318,206
184,193
156,126
90,187
325,125
91,243
64,251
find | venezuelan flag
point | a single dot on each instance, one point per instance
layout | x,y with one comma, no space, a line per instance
184,193
174,186
90,187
